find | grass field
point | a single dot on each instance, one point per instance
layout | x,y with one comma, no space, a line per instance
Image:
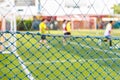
80,59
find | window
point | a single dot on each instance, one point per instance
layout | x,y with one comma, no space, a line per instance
1,1
72,3
25,2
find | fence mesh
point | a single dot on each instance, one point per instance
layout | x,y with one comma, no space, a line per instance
82,57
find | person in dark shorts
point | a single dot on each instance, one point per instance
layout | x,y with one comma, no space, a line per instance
43,28
66,30
107,33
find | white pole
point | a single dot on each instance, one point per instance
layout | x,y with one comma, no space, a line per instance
27,72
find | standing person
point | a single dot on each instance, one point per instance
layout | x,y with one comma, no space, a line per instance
107,33
35,23
64,26
66,29
42,29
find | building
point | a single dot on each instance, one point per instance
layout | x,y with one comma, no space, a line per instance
27,8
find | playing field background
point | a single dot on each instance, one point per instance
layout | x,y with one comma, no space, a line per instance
81,58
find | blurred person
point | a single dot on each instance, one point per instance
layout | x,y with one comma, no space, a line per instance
107,33
66,29
35,23
43,30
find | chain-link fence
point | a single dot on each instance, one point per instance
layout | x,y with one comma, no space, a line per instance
81,58
84,55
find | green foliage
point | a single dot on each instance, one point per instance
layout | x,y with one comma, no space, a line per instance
116,9
24,25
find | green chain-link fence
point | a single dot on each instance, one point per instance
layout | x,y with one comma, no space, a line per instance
81,58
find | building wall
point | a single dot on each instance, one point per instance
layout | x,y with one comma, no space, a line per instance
62,7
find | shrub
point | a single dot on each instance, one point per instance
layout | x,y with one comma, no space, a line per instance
24,25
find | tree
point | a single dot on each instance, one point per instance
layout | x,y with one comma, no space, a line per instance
116,9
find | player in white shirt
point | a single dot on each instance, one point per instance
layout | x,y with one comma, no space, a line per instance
107,33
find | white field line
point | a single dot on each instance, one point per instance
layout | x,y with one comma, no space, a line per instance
27,72
22,63
5,52
96,48
81,60
73,61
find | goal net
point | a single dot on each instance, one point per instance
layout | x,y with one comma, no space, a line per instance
8,23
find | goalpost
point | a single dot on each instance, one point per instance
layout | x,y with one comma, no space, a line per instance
8,39
8,23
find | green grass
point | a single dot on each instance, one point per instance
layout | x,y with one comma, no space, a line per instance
81,59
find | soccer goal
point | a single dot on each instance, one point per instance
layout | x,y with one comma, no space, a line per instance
8,36
8,41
